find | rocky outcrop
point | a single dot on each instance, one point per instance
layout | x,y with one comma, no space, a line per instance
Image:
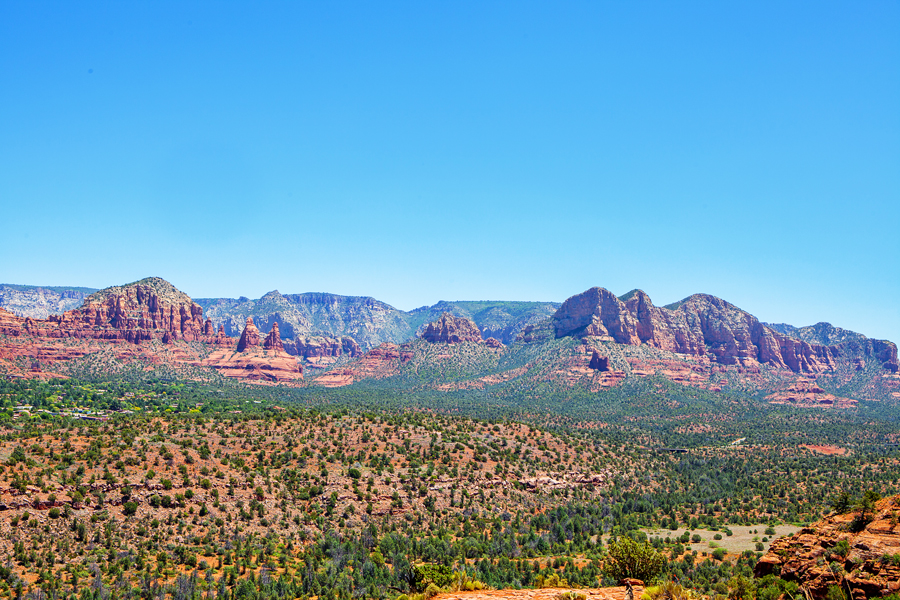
451,330
256,365
599,363
149,309
273,340
704,325
266,363
249,337
493,342
807,393
844,551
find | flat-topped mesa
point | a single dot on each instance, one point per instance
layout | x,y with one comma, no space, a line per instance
250,336
451,330
703,325
273,340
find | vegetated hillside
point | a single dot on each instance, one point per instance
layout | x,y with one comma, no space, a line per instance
820,333
235,489
571,367
39,302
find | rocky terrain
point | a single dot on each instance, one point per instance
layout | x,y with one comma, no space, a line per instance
593,341
149,309
857,552
451,330
366,321
703,325
39,302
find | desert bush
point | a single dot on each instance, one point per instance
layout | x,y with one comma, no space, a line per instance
628,558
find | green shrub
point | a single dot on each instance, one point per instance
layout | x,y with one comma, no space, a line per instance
628,558
835,592
842,548
440,575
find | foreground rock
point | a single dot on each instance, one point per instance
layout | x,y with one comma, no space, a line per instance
829,553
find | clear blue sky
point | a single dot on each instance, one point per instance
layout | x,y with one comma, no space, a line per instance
448,150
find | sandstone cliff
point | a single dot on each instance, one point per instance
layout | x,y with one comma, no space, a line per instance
249,337
149,309
451,330
704,325
273,340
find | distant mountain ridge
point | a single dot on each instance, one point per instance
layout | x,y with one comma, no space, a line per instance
368,321
41,301
592,341
683,326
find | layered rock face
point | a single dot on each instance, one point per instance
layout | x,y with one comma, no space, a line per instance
273,340
451,330
704,325
265,362
149,309
249,337
809,555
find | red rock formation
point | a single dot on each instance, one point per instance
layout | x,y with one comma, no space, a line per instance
249,337
493,343
599,363
703,325
451,330
377,363
807,556
150,309
807,393
273,340
256,365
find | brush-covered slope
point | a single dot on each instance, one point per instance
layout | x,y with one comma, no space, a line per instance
39,302
368,321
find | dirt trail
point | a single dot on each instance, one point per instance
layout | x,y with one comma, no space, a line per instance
610,593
